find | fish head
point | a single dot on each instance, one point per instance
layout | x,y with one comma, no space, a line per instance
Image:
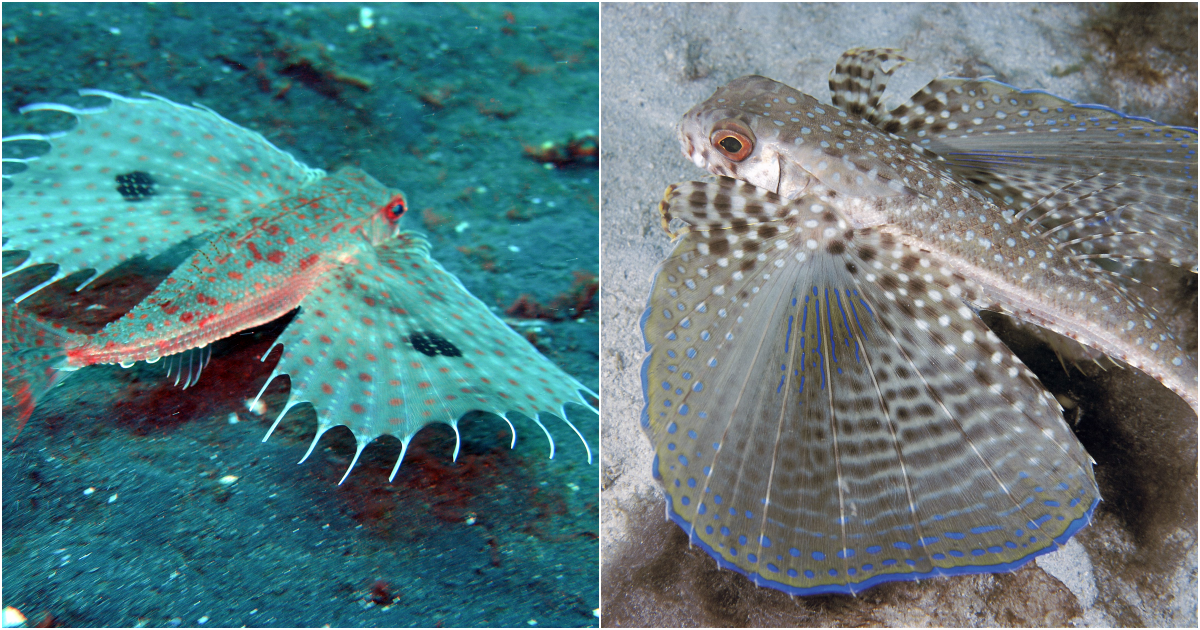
379,207
768,134
385,223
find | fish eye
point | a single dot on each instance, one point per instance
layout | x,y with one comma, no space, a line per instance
396,207
733,139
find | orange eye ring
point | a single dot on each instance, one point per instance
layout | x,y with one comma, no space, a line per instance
733,139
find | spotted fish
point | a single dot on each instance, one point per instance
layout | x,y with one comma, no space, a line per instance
386,341
827,409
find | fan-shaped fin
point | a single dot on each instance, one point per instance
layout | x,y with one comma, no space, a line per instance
134,177
1126,185
1020,146
395,343
828,413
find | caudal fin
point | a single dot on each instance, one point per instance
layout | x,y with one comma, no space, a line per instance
35,350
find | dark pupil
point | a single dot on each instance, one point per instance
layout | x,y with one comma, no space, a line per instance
730,144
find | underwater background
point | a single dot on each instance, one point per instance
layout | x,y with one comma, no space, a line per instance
114,509
1135,564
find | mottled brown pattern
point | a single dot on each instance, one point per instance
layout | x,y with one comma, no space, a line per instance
827,408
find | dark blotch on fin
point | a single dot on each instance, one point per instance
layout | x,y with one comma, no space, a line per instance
136,186
432,344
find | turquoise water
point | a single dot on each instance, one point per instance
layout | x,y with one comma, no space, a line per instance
113,512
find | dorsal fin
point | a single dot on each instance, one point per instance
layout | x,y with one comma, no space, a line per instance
859,78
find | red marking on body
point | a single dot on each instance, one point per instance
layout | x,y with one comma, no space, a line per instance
254,250
235,275
357,408
424,384
168,308
187,317
370,357
394,382
308,360
395,402
339,364
309,261
275,256
326,388
364,377
326,339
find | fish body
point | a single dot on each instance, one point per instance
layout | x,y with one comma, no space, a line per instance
386,341
252,272
883,180
827,409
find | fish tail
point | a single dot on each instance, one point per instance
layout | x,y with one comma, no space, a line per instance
35,353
